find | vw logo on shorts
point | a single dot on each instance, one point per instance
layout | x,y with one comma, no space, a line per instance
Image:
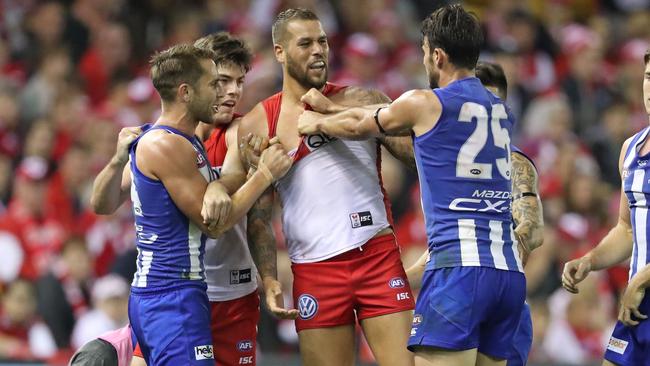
307,306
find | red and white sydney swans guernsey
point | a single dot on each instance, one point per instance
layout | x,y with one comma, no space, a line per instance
332,198
229,269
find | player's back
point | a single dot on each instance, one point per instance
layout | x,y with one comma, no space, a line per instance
170,247
464,168
636,178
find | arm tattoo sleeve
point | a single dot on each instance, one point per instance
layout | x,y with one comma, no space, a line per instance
261,240
526,210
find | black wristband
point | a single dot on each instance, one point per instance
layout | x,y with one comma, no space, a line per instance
525,194
381,129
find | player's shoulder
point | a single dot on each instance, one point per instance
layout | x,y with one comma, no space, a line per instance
360,95
160,144
420,99
254,121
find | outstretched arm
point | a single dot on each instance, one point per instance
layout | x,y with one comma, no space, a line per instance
416,110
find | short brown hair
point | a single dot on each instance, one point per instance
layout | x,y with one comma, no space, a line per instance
227,49
177,65
281,21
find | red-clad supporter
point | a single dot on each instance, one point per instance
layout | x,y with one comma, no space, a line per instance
65,201
108,57
64,292
22,335
39,234
10,143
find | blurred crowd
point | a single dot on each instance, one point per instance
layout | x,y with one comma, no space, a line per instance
73,72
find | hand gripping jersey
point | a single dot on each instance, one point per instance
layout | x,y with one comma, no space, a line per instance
170,247
464,168
229,269
636,176
332,198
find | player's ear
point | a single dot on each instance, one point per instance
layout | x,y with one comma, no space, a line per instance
185,93
278,49
439,57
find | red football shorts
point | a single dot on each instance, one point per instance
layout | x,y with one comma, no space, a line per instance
234,330
369,280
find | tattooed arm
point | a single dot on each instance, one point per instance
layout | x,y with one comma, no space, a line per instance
526,210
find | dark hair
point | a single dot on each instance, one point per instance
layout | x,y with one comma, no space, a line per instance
177,65
282,19
455,31
646,57
227,49
492,74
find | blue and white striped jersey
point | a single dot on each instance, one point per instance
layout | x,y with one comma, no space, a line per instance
636,185
464,169
170,247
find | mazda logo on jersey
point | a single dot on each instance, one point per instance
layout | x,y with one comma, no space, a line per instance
307,306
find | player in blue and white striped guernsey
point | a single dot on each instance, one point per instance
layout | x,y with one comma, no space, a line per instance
169,180
461,137
630,341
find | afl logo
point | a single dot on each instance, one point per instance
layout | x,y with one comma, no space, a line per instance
475,171
396,282
307,306
244,346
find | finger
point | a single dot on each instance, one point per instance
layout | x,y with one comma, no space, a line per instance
581,272
224,213
275,140
638,314
257,144
566,277
265,143
570,288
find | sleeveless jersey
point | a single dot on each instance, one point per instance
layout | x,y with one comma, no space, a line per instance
170,247
636,178
464,170
332,198
229,269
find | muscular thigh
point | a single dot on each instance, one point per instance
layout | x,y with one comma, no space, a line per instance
431,356
327,346
387,336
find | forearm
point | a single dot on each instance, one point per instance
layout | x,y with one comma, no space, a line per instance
614,248
261,239
232,181
107,195
400,147
528,216
243,200
352,124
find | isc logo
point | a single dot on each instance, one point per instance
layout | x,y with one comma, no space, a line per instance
359,219
203,352
403,296
244,346
396,282
246,360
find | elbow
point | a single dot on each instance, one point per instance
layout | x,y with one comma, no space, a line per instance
97,206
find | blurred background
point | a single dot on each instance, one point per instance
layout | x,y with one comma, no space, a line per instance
73,72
